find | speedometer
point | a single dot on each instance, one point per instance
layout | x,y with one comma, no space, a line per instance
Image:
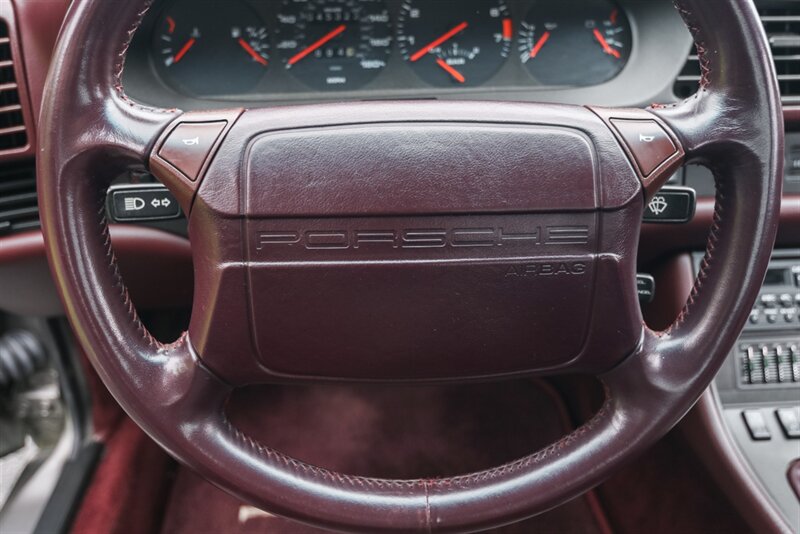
455,43
334,44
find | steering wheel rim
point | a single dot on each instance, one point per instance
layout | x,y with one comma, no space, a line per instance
92,131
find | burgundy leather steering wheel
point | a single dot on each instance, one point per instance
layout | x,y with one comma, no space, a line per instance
410,241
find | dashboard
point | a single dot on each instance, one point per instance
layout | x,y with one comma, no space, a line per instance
191,52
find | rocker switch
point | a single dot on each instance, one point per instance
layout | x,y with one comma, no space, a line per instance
756,425
188,146
647,141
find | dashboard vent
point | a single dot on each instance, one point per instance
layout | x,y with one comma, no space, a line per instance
13,133
688,81
18,202
782,23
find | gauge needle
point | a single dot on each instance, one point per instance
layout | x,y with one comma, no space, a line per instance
182,52
250,50
606,47
417,55
539,44
457,76
327,37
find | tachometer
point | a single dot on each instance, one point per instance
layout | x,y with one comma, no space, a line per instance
563,46
220,50
334,44
455,43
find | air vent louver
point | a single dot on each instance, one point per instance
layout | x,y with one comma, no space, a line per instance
18,203
13,133
689,79
782,23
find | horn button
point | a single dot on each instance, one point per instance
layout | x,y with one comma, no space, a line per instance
417,251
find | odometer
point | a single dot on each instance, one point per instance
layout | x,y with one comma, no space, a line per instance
455,42
334,44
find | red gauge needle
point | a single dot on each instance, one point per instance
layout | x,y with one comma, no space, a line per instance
327,37
417,55
182,52
457,76
539,44
606,47
250,50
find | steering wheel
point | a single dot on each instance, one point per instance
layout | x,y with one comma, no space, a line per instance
413,241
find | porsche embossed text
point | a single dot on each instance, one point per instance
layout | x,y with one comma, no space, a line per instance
422,238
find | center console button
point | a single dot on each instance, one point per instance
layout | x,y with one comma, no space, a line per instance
789,418
646,288
755,366
756,424
794,355
769,300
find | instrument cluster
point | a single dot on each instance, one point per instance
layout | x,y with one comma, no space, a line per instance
237,47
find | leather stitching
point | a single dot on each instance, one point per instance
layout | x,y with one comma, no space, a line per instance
113,266
702,56
270,454
119,66
708,259
716,226
702,49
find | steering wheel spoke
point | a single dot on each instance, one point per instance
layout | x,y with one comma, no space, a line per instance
185,149
654,150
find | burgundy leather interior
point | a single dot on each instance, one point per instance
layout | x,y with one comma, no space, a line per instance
92,131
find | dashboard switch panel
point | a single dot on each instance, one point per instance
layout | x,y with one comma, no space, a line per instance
778,305
769,363
189,145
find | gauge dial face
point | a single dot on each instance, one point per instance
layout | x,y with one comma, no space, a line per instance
453,43
334,44
575,44
231,42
